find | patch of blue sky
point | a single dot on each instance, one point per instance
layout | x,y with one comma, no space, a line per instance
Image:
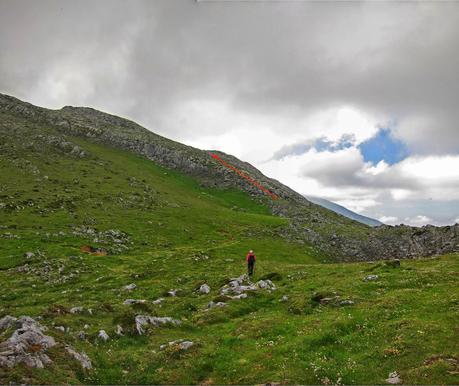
384,147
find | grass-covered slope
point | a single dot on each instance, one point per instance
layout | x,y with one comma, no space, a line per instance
47,197
341,238
163,230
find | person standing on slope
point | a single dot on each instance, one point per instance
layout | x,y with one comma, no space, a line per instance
250,258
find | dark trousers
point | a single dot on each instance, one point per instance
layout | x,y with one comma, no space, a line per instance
250,267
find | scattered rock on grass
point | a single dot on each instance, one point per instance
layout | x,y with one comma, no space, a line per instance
237,297
204,289
158,301
237,286
144,320
346,302
80,357
371,278
266,284
212,304
103,335
241,284
134,301
394,378
130,287
181,344
119,330
185,345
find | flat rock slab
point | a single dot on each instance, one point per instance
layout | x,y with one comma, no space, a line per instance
142,321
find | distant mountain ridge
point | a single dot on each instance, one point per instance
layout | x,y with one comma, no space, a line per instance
344,211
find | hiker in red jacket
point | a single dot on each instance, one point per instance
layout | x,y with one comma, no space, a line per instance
250,258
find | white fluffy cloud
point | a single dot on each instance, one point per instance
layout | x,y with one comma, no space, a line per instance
389,220
418,220
345,178
255,137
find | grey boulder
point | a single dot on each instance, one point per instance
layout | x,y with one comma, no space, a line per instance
204,289
141,321
103,335
28,344
84,360
371,278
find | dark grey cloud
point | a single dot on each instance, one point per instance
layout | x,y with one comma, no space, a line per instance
319,144
144,58
348,172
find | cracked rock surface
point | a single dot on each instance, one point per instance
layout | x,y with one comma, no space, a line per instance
28,343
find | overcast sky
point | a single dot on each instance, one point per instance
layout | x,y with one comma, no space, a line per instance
354,102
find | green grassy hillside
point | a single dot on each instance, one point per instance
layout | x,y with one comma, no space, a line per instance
163,231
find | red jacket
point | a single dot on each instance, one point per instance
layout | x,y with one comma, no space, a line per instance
248,255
